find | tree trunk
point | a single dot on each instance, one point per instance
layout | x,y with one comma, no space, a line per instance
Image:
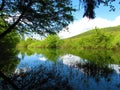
2,35
2,5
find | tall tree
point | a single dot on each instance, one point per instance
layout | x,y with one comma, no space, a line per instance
8,54
43,16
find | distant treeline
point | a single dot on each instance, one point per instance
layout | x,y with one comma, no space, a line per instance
51,41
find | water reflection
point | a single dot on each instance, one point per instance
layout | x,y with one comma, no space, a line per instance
72,60
8,63
68,72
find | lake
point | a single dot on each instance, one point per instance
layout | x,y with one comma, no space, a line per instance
53,69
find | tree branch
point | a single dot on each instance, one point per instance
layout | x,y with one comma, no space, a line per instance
10,28
2,5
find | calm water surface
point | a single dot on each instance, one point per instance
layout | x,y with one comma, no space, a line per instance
78,70
86,70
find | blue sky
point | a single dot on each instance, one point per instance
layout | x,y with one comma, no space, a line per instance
104,18
102,11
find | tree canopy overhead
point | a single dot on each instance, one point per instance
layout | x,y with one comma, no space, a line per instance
42,16
90,5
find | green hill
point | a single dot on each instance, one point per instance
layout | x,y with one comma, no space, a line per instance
114,30
104,38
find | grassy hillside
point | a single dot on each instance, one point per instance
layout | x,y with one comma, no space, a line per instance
110,30
105,38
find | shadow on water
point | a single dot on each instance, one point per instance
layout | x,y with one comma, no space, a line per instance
8,53
67,70
8,58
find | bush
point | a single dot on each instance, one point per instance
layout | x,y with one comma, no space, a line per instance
52,41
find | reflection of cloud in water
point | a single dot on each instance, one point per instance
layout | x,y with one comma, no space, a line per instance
21,70
72,60
42,58
116,68
76,78
32,62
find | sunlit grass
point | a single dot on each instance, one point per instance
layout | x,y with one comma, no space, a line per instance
105,38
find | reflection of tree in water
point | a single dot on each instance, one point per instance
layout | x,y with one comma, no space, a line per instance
8,57
27,51
96,70
8,66
98,56
50,54
54,76
98,61
8,53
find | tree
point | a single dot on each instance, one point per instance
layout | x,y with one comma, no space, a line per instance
43,16
90,5
39,16
52,41
8,53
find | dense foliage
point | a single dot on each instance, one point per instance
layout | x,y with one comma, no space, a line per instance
95,56
51,41
105,38
39,16
8,53
43,16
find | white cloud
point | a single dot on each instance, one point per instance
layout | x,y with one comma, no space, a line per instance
86,24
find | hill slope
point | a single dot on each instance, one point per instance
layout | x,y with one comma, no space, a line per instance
108,38
105,38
